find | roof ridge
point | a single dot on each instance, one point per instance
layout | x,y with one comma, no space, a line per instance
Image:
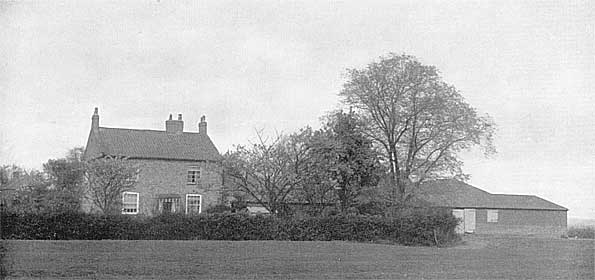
142,129
515,194
149,143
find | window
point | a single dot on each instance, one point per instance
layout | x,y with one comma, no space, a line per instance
130,203
492,216
193,203
168,204
193,175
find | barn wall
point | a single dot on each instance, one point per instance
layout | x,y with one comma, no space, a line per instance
527,222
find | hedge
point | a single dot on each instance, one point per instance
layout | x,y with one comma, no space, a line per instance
582,231
413,228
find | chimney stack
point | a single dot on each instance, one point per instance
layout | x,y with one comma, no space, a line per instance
202,125
174,126
95,120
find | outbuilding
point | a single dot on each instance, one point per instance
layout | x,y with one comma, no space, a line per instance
482,212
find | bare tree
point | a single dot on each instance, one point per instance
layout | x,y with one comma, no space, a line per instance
107,178
419,121
266,171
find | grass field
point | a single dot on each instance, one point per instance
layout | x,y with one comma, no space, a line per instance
476,258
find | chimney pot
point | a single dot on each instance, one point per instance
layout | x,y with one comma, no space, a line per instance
174,126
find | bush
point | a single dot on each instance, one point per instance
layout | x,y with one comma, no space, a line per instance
3,260
414,228
586,232
219,208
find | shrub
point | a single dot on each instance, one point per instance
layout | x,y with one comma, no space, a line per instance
3,260
587,232
219,208
418,227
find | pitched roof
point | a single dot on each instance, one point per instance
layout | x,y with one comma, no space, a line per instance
457,194
154,144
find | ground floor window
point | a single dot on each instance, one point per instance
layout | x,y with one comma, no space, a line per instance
193,203
168,204
492,216
130,202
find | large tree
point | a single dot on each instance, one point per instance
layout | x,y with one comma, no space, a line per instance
107,178
418,120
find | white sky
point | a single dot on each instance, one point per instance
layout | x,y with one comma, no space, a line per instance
279,66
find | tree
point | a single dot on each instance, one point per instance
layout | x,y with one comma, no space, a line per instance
66,176
107,178
267,171
23,190
356,163
341,161
419,121
316,184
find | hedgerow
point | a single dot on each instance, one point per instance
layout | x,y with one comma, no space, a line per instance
582,231
414,228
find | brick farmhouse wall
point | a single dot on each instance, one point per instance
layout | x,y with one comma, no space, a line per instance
163,177
169,177
526,222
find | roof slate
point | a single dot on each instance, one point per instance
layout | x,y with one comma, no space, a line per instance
456,194
154,144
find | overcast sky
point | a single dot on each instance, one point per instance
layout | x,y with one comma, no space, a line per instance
279,66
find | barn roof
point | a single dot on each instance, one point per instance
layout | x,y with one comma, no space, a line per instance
153,144
457,194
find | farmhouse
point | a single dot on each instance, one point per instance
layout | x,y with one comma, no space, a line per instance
482,212
179,172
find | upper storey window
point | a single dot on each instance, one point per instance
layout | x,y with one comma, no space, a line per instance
193,175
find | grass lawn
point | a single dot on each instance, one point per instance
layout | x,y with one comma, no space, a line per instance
477,258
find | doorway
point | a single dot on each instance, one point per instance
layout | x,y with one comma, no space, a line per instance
469,220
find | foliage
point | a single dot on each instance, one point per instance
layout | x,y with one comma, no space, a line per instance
107,178
57,189
419,121
349,156
266,172
218,209
416,228
24,190
338,163
66,177
3,260
586,232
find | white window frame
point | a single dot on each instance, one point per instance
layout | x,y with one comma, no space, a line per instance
196,178
199,201
175,204
137,203
492,216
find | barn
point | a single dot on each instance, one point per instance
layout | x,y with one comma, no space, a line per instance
482,212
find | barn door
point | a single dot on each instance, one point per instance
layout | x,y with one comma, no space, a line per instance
459,214
470,220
